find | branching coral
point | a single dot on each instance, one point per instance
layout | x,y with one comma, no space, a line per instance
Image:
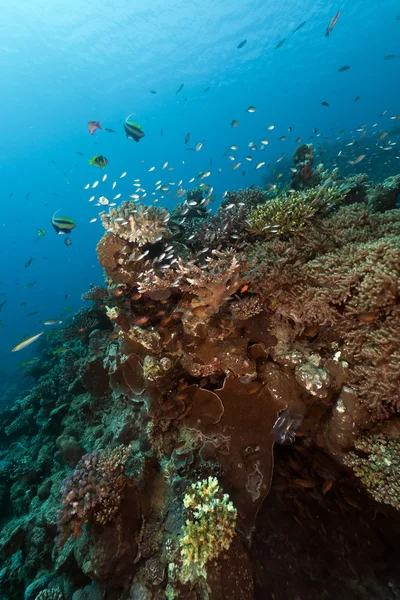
209,529
137,223
289,214
85,321
92,491
377,463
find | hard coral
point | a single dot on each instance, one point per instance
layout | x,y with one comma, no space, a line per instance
209,529
137,223
377,464
92,491
289,214
50,594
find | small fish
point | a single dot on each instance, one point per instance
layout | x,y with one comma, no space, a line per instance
270,127
93,125
202,175
280,44
52,322
259,165
357,98
31,314
180,88
99,161
28,262
236,166
298,140
27,195
241,44
152,91
251,109
62,225
299,26
109,130
206,90
91,221
27,342
358,159
390,56
187,138
67,241
25,364
60,350
332,24
80,153
141,320
324,103
30,284
199,146
283,138
234,123
344,68
3,303
382,136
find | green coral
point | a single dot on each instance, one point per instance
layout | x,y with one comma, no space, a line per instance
379,470
208,531
290,213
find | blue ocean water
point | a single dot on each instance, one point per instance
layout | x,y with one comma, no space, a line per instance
64,64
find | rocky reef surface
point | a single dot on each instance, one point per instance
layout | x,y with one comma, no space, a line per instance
222,421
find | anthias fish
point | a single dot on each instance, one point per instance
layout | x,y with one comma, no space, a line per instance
62,225
27,342
93,125
133,130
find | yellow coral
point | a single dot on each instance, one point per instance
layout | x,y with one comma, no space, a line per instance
289,213
210,529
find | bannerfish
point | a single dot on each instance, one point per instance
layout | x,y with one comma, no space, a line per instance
27,342
62,225
93,125
99,161
133,130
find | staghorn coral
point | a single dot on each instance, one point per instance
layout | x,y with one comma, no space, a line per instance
376,462
92,491
290,213
209,529
137,223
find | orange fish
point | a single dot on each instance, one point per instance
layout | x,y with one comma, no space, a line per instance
141,320
244,289
93,125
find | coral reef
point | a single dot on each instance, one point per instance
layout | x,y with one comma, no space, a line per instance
235,380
